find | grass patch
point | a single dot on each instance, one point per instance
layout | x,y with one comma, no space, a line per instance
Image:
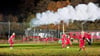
47,50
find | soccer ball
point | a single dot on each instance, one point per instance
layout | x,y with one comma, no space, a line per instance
67,46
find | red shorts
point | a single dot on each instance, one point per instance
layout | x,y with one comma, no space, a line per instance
11,42
81,45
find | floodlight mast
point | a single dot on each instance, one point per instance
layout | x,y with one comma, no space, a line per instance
82,25
63,29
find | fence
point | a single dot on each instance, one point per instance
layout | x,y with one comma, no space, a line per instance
22,29
7,28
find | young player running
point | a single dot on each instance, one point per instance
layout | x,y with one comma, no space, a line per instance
68,41
88,38
82,41
63,39
11,40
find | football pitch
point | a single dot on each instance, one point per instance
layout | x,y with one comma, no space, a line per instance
53,49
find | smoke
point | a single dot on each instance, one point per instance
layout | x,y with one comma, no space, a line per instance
86,12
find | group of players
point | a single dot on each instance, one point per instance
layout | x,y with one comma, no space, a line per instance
66,40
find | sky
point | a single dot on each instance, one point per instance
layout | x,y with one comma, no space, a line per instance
7,6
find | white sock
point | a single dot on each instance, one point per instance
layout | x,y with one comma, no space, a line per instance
11,47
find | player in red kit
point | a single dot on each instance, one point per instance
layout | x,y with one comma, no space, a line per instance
88,38
10,40
82,41
68,41
82,44
63,39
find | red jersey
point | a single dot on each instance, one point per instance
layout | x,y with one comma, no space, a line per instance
88,36
63,38
68,41
11,39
